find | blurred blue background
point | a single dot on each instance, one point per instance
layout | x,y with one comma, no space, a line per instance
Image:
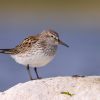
76,21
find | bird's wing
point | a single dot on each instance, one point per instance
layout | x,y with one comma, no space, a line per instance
24,45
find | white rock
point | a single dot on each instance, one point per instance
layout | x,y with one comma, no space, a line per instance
86,88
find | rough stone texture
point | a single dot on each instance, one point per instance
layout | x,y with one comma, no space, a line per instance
86,88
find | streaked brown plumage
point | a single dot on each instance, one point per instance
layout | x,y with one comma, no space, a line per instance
36,51
25,45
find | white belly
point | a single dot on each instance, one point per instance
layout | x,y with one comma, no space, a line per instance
34,60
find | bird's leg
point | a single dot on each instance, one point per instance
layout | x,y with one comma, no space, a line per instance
28,70
35,69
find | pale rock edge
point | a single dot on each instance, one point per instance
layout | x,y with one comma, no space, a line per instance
81,88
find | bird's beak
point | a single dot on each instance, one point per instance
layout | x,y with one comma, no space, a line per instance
62,43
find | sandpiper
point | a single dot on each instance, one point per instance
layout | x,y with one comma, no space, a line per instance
36,51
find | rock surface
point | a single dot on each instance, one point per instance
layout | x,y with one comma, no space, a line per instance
58,88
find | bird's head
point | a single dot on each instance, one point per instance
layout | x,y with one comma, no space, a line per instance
52,37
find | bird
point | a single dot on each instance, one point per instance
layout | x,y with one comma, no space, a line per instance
36,50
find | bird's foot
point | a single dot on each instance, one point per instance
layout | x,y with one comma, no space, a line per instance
36,78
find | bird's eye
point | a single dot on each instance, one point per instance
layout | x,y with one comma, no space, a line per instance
52,36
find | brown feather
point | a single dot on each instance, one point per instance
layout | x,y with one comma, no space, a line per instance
24,45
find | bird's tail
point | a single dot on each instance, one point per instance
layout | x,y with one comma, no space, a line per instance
5,51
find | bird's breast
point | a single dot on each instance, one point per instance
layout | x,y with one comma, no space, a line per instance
36,57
